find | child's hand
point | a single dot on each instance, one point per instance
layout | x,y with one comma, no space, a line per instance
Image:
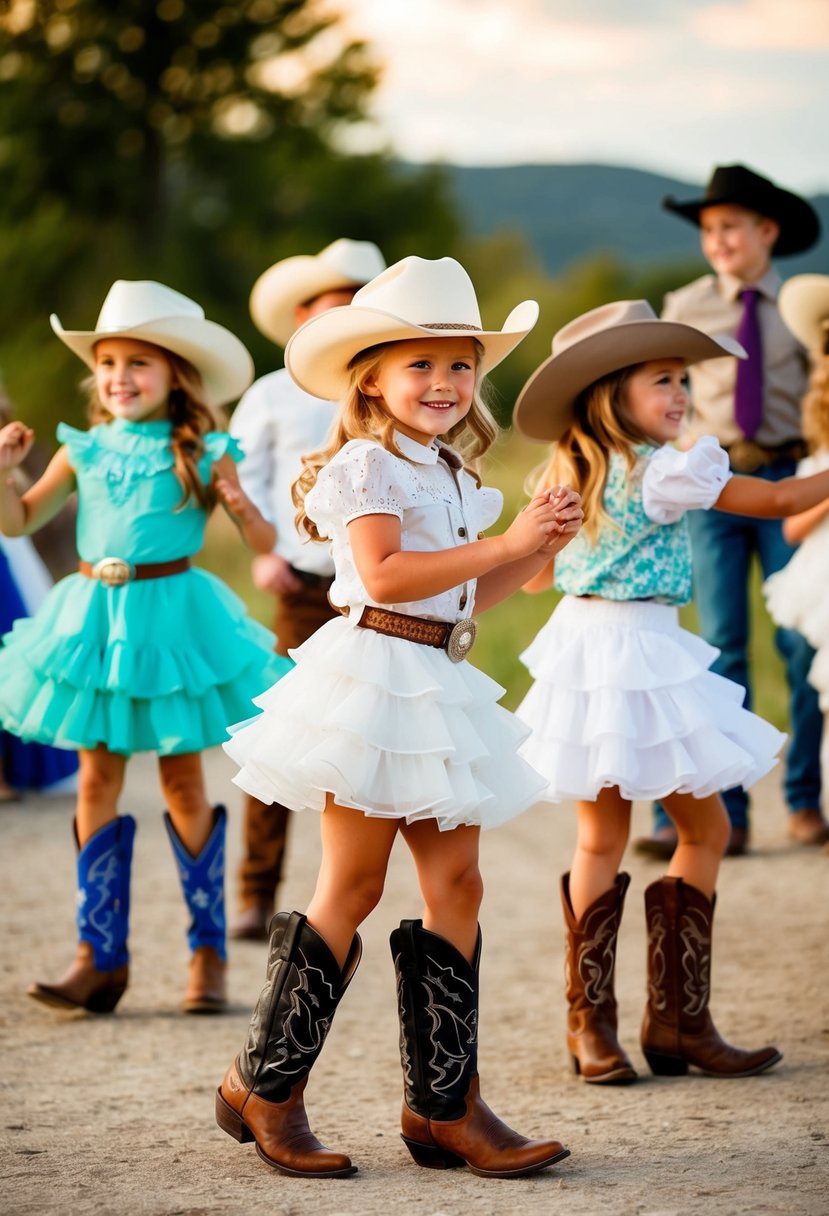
15,444
234,498
532,528
569,517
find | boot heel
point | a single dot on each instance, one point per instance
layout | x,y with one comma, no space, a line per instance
576,1066
432,1156
231,1121
666,1066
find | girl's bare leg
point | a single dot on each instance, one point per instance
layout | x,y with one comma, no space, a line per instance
450,880
185,796
603,830
100,781
355,857
703,829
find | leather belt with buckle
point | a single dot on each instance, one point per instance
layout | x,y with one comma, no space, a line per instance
746,456
114,571
456,639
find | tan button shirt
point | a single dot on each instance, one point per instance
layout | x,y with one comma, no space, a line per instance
713,304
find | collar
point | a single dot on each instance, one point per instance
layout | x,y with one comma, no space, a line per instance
415,451
768,286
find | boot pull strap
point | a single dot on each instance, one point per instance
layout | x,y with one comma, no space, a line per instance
293,928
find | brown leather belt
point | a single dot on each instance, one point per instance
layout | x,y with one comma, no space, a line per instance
456,638
746,456
114,571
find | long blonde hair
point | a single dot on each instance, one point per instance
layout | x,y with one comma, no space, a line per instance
361,416
580,458
191,417
816,407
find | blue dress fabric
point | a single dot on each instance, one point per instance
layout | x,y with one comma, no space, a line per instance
162,664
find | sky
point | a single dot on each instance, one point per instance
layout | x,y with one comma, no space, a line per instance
674,86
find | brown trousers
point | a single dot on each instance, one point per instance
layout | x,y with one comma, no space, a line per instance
298,615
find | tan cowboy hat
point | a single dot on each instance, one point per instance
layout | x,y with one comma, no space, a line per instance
412,299
799,222
599,342
284,286
804,307
151,312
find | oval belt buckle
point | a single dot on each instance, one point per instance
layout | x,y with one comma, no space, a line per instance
113,571
461,639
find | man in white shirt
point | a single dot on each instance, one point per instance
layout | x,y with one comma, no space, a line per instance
277,423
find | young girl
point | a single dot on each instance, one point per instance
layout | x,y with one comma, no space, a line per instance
139,652
623,706
796,595
383,727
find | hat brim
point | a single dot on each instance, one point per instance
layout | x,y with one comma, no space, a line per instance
804,306
222,361
283,287
546,403
319,353
798,221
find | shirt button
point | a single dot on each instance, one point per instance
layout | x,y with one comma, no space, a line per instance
461,531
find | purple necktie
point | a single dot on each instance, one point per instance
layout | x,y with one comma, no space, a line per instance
748,391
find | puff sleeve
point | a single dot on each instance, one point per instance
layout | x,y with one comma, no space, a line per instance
219,443
675,482
362,479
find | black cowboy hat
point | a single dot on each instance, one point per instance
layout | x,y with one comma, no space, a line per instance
799,223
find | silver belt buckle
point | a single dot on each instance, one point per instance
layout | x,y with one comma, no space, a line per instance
461,639
113,571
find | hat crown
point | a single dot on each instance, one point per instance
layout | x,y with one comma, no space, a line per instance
432,294
357,261
132,303
607,316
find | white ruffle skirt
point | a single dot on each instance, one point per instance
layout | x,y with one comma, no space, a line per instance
796,599
623,697
389,727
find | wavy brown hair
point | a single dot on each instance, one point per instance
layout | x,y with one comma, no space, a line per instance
361,416
816,407
580,458
191,417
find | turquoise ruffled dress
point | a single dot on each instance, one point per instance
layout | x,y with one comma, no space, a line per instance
159,665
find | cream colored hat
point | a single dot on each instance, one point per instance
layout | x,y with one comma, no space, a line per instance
412,299
151,312
599,342
284,286
804,306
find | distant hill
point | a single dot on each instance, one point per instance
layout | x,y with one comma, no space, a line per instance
568,212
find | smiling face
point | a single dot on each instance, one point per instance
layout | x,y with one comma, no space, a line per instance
133,379
426,384
655,398
737,241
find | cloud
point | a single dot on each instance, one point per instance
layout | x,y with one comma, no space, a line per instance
801,25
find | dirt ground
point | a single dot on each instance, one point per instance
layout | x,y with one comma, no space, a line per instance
115,1114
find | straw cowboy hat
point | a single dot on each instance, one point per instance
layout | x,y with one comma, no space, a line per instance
804,307
414,298
284,286
151,312
799,222
600,342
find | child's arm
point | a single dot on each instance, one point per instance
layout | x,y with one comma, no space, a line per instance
256,532
538,567
22,514
773,499
394,576
542,581
797,527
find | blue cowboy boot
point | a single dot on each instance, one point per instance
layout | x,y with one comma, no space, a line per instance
98,976
203,884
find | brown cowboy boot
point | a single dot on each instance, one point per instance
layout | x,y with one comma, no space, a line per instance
444,1120
265,837
677,1030
261,1096
589,965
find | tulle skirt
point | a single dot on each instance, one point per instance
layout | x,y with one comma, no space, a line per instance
796,598
389,727
623,697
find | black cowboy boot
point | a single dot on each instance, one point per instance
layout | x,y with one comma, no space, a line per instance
590,961
444,1120
677,1029
260,1097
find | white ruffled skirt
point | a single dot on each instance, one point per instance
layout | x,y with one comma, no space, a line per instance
796,599
390,727
623,697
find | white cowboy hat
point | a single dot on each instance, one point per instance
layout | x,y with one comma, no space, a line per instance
151,312
280,290
804,307
412,299
599,342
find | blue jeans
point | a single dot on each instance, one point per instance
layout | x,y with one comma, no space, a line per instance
723,546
